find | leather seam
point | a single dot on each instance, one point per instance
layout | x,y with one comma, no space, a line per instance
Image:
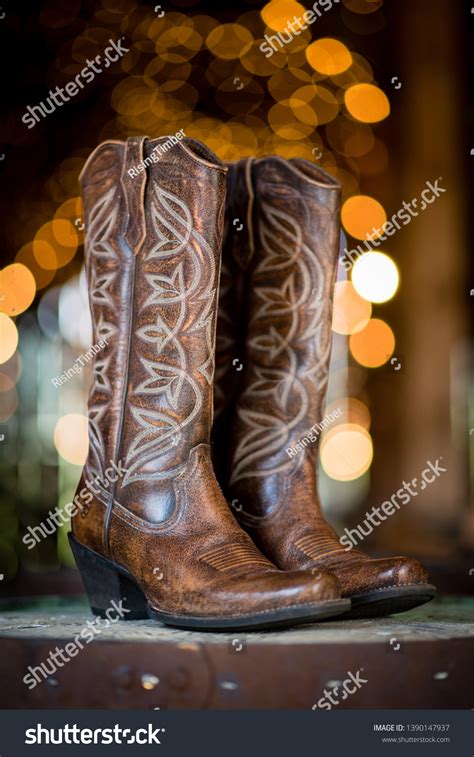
287,164
110,508
96,152
110,505
202,161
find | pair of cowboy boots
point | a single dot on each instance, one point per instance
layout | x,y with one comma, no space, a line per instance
162,537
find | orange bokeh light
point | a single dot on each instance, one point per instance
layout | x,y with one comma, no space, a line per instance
8,337
367,103
277,13
17,289
55,244
374,345
42,275
346,452
328,56
229,41
362,216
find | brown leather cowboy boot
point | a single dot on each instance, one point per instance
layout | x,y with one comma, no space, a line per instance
279,266
153,528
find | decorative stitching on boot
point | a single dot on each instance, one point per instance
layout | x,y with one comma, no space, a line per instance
173,297
232,556
314,546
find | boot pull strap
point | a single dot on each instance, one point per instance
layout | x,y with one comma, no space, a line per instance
133,180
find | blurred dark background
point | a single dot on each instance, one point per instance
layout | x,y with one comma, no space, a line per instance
376,92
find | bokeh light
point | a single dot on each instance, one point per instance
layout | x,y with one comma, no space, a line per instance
55,244
283,84
6,383
282,120
346,452
277,13
17,289
358,412
47,312
71,438
351,312
367,103
25,255
8,403
374,345
254,61
12,368
68,224
73,312
314,104
349,138
229,41
353,411
328,56
8,337
375,276
363,217
360,71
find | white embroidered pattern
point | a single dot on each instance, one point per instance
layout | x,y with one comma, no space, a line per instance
170,307
299,299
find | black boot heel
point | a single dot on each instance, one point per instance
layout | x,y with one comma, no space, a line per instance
105,582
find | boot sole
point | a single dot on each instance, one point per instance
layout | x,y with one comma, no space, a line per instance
379,602
105,581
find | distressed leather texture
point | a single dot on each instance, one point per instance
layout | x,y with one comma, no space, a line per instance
275,315
153,261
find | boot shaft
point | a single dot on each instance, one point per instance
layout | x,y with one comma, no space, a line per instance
290,264
153,239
